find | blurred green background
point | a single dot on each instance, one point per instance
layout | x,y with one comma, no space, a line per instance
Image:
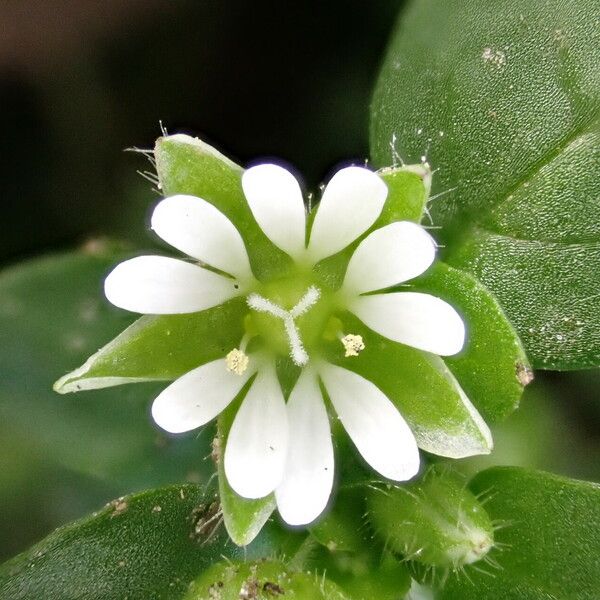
81,81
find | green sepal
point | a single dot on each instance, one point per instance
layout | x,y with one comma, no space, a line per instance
159,348
408,193
423,389
187,165
435,521
492,368
339,528
243,518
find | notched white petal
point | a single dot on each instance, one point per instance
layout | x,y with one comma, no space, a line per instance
373,423
412,318
275,199
256,447
388,256
351,203
159,285
197,397
199,229
306,487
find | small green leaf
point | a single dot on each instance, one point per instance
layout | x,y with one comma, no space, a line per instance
149,545
243,518
142,547
365,575
261,580
492,369
547,539
503,99
424,390
52,315
186,165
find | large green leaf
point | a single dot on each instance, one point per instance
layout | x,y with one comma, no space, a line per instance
492,368
52,315
503,100
142,547
547,544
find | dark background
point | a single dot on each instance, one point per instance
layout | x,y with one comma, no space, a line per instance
82,80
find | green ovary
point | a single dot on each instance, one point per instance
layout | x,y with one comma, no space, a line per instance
315,324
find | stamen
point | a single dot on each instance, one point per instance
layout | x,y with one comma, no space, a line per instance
308,300
353,344
237,361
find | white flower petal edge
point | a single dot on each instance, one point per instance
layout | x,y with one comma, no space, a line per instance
376,427
275,199
158,285
308,479
388,256
257,444
199,229
351,203
418,320
197,397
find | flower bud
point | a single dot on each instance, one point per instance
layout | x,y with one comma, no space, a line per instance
436,521
262,580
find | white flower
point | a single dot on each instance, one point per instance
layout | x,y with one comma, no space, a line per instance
274,446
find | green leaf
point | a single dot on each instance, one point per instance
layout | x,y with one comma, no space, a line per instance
186,165
145,546
424,390
52,315
243,518
492,369
503,99
548,541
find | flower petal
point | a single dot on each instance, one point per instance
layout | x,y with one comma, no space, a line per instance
351,203
199,229
308,480
376,427
418,320
256,447
159,285
388,256
197,397
275,199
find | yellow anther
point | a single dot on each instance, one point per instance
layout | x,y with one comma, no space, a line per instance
237,361
353,344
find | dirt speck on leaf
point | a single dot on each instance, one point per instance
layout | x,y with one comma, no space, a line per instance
524,374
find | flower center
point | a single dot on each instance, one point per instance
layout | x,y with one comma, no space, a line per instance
288,317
